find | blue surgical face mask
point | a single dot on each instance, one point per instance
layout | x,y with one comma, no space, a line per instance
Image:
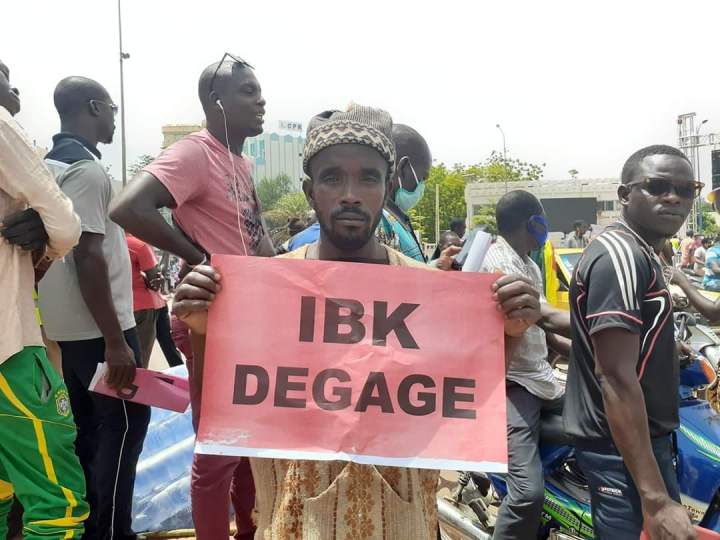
537,226
407,200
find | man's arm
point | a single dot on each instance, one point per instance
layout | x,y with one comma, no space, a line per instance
24,177
147,262
192,301
555,321
616,354
94,285
708,308
561,345
136,211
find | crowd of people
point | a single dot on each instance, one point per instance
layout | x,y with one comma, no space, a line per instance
698,256
69,455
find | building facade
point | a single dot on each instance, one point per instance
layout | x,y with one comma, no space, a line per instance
274,154
592,200
172,133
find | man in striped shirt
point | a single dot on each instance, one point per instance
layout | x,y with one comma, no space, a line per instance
621,403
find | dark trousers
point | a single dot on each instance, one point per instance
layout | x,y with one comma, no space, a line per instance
521,509
145,322
616,509
110,439
214,477
164,338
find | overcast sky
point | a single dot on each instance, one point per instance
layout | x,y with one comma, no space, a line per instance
574,84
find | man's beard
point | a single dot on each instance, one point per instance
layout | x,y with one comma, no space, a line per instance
355,241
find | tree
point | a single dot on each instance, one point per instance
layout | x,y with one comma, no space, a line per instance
452,201
709,225
290,205
497,168
485,217
271,190
140,163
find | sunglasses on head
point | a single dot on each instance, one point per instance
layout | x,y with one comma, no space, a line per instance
662,186
232,57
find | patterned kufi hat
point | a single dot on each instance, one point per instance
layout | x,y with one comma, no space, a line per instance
357,125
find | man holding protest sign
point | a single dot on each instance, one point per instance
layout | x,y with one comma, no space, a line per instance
349,158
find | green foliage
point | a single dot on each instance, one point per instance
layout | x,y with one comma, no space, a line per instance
709,225
271,190
486,218
452,201
140,163
497,168
290,205
452,191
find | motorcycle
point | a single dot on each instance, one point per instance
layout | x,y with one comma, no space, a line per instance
700,336
467,512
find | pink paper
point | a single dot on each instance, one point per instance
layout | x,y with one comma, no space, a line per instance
703,534
288,380
149,388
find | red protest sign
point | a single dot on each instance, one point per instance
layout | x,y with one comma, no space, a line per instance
370,363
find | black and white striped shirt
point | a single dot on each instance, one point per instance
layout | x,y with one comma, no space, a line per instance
529,365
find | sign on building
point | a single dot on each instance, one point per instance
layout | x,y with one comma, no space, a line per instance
291,126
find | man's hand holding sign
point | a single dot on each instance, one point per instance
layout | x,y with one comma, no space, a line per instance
316,360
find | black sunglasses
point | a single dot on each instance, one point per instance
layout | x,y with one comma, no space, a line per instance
114,108
235,59
662,186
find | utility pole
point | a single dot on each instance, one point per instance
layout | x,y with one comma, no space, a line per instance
690,141
504,155
123,56
437,214
697,173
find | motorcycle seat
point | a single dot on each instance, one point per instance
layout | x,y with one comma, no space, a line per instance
552,431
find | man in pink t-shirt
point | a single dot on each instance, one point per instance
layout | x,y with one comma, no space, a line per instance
207,182
146,298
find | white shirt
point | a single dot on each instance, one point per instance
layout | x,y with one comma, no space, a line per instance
26,182
529,366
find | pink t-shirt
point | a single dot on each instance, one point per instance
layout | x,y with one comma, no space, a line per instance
197,172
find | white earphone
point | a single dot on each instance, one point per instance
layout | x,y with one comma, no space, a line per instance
234,174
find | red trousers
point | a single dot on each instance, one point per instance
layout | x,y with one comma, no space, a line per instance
216,480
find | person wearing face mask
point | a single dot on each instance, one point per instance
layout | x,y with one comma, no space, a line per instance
407,187
532,389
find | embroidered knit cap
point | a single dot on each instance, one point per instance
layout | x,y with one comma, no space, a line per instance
357,125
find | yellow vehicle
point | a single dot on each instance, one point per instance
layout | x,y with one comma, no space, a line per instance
558,265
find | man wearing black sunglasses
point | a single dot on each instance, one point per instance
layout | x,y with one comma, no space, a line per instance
621,404
207,182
